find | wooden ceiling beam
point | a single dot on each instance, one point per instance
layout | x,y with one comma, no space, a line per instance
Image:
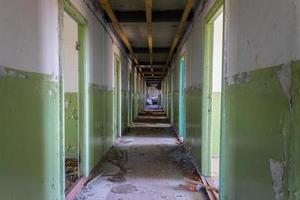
149,72
107,8
137,16
155,49
153,63
153,77
149,28
188,7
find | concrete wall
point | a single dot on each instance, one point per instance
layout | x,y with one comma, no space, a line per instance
261,98
30,148
102,48
139,93
193,51
261,79
29,98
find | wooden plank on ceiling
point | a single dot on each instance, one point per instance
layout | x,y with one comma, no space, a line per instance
107,8
188,7
157,16
149,28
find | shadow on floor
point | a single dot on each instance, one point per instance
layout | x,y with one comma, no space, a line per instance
145,164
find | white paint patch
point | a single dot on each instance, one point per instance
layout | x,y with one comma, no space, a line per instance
70,54
29,35
259,34
2,71
285,78
277,171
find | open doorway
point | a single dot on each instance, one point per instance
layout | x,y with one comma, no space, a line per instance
117,97
73,90
182,99
153,95
212,91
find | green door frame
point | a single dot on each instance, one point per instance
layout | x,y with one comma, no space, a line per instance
117,97
182,67
70,9
172,96
214,12
129,98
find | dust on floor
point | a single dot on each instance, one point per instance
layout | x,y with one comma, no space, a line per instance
71,171
146,164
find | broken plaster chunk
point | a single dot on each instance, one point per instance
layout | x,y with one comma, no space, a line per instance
2,71
285,78
277,171
12,73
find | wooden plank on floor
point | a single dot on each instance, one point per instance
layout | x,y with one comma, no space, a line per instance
76,188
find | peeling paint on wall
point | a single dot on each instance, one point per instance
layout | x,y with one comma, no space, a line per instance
238,78
277,171
285,77
27,103
2,71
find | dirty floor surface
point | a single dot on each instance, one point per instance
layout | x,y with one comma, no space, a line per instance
71,171
142,166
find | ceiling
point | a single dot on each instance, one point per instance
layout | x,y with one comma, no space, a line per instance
161,26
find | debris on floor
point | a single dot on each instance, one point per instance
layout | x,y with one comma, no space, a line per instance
198,185
71,171
212,194
118,158
146,163
124,189
183,160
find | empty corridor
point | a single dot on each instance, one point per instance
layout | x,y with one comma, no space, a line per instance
145,164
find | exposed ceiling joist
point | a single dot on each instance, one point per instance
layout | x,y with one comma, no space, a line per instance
188,7
153,82
153,77
107,8
149,72
149,28
153,63
157,16
156,68
154,49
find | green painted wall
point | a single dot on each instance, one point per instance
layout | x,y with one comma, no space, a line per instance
101,135
260,125
71,125
193,139
258,128
125,99
30,137
176,110
294,142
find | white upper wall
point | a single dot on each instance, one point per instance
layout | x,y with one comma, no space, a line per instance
101,49
29,35
193,50
70,54
260,33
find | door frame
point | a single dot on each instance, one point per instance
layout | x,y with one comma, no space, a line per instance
182,111
71,10
117,96
129,77
213,13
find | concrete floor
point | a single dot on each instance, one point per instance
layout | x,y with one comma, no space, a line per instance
140,166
